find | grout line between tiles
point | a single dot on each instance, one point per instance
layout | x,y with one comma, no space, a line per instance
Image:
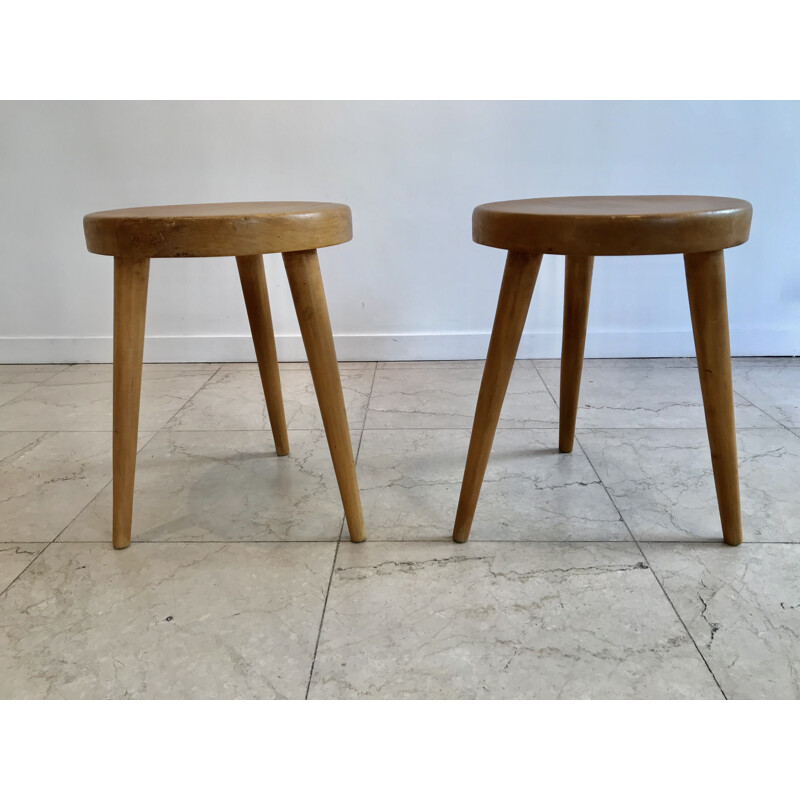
652,571
339,540
582,429
322,616
363,428
139,541
138,450
766,413
189,399
54,539
103,487
677,614
639,547
36,384
446,539
29,565
356,429
366,414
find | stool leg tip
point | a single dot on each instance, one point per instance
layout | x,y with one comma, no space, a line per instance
357,535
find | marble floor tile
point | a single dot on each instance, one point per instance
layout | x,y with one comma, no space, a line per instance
47,478
434,397
79,398
411,479
15,379
475,363
234,400
430,620
302,365
227,486
742,607
615,363
646,396
663,484
164,621
766,361
773,385
14,558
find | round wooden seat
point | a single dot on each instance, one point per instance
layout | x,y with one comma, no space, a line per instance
217,229
614,226
580,228
134,236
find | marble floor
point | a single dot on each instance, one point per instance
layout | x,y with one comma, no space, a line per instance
598,574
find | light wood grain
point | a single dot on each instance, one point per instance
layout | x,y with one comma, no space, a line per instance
305,282
582,227
705,281
256,298
245,230
516,290
577,288
621,225
217,229
130,303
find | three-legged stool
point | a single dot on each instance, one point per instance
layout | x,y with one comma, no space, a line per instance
244,230
583,227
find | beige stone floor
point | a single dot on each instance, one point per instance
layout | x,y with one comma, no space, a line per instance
598,574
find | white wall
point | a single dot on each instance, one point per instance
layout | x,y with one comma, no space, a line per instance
411,284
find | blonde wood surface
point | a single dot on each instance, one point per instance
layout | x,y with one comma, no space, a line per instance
245,230
256,299
516,290
305,282
622,225
130,302
577,288
705,281
217,229
581,228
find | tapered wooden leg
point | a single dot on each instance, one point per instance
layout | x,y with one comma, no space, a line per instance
705,280
577,288
516,290
256,299
130,303
305,282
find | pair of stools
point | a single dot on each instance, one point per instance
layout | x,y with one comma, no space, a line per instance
580,228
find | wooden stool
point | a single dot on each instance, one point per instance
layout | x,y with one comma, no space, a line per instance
583,227
244,230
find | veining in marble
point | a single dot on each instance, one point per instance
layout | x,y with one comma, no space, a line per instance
14,558
248,365
663,484
15,379
433,397
616,363
463,364
227,486
164,621
773,385
646,396
742,607
506,615
79,398
532,620
411,480
46,478
234,400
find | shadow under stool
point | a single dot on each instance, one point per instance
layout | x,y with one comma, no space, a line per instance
245,230
581,228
